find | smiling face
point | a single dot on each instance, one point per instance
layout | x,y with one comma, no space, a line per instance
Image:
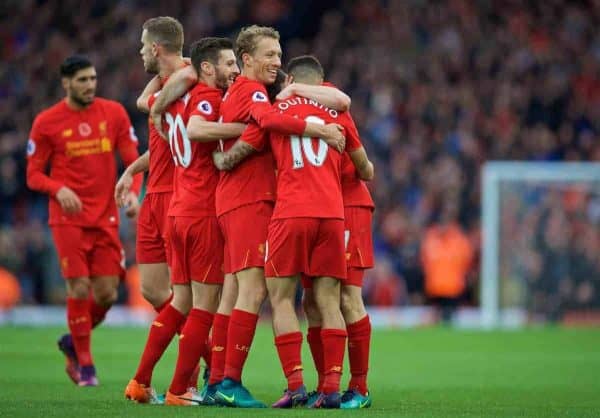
149,53
265,60
81,88
226,69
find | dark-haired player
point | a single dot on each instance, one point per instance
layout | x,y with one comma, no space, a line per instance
78,138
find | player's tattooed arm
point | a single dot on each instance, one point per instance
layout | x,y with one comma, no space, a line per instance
229,159
179,82
152,87
364,167
326,95
199,129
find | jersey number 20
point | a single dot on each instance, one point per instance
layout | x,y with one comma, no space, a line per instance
176,129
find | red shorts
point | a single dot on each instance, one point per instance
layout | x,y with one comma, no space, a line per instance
359,246
88,252
359,250
313,246
152,245
197,250
245,232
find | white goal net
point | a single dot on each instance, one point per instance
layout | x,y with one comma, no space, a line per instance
541,242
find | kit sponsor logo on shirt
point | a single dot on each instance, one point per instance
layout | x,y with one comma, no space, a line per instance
88,147
67,133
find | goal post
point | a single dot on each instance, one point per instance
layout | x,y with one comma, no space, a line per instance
519,177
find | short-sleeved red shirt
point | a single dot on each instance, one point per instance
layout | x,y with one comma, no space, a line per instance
196,177
308,170
160,172
354,190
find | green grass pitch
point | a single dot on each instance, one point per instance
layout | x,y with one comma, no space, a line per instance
434,372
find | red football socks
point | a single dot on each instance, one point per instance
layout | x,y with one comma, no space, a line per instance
80,326
335,341
97,312
316,348
192,342
219,345
242,326
161,333
289,348
359,341
207,354
162,306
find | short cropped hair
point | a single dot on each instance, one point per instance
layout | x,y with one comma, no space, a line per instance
73,64
208,49
248,37
166,31
305,66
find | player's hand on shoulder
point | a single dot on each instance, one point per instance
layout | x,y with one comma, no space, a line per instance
334,136
122,188
288,91
68,200
132,205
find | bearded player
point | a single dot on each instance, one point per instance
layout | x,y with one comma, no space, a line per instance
78,138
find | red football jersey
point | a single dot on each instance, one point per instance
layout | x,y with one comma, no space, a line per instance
80,146
160,172
308,170
253,180
354,190
196,176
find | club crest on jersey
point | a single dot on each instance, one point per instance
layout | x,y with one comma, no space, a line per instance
30,147
84,129
259,96
205,107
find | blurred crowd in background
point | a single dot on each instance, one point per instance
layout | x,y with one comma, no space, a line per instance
437,87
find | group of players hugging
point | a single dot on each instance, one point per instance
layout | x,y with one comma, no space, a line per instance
255,181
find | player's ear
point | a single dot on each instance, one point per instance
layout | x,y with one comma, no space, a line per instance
155,49
246,59
289,79
65,81
207,68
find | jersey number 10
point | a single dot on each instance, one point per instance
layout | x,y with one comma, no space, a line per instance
305,144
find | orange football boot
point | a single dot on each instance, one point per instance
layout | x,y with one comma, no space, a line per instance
140,393
189,398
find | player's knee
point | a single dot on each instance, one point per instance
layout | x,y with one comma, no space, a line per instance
311,309
78,288
258,297
349,303
156,297
105,296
